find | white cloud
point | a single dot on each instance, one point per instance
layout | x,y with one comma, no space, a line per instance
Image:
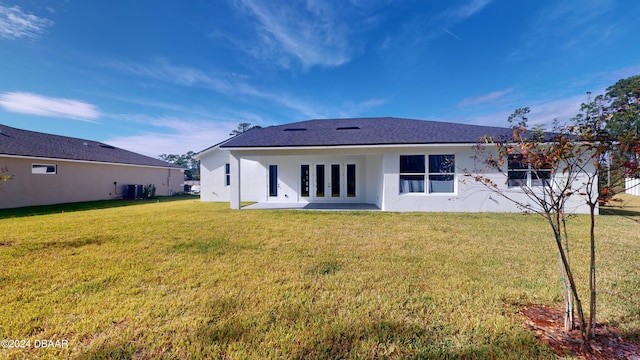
542,112
562,104
426,27
572,24
484,99
34,104
309,31
14,24
465,11
173,136
231,85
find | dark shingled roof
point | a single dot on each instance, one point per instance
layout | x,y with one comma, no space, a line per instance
364,131
19,142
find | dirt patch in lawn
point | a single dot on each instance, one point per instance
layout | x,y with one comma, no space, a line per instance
547,324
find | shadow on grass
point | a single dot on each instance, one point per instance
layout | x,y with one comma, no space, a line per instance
623,205
631,213
33,246
620,211
312,335
83,206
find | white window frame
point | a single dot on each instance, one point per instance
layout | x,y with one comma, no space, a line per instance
452,174
530,178
227,174
427,176
46,167
412,174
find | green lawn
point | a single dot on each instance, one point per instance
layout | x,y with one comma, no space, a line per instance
186,279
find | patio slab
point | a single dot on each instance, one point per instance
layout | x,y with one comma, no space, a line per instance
312,206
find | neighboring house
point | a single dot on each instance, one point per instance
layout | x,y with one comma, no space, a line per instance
394,164
52,169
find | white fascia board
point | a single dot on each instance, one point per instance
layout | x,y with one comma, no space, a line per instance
198,156
386,146
87,162
202,153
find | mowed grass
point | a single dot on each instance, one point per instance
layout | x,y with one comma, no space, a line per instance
187,279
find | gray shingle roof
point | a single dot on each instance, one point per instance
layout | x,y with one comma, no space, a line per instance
364,131
19,142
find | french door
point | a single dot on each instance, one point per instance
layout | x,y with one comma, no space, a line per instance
332,181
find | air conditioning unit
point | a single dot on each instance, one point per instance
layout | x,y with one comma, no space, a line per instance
132,192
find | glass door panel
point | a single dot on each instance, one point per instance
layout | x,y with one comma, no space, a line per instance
351,180
335,180
304,180
320,180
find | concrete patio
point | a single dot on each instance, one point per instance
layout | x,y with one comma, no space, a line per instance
312,206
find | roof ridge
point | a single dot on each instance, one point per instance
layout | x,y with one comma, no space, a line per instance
60,136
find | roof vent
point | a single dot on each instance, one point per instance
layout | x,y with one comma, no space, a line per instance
348,128
295,129
85,143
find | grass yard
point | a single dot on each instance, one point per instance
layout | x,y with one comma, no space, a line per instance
186,279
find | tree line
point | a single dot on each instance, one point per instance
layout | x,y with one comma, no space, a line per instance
191,165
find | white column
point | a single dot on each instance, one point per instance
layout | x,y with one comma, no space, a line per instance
234,196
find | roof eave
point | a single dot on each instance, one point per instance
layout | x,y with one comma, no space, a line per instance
345,146
42,158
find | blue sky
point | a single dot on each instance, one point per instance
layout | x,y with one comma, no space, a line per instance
172,76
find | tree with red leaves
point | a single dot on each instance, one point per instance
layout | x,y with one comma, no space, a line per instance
564,167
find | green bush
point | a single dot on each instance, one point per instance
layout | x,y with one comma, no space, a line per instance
149,191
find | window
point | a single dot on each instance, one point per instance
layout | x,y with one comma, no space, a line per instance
441,173
227,174
520,173
44,169
517,171
273,180
413,174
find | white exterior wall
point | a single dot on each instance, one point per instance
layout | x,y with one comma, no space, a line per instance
254,175
632,186
468,195
213,178
289,177
377,179
79,181
374,179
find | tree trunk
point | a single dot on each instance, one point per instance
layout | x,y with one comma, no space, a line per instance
572,284
592,278
569,321
568,298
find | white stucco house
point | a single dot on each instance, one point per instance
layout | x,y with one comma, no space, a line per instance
51,169
390,164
